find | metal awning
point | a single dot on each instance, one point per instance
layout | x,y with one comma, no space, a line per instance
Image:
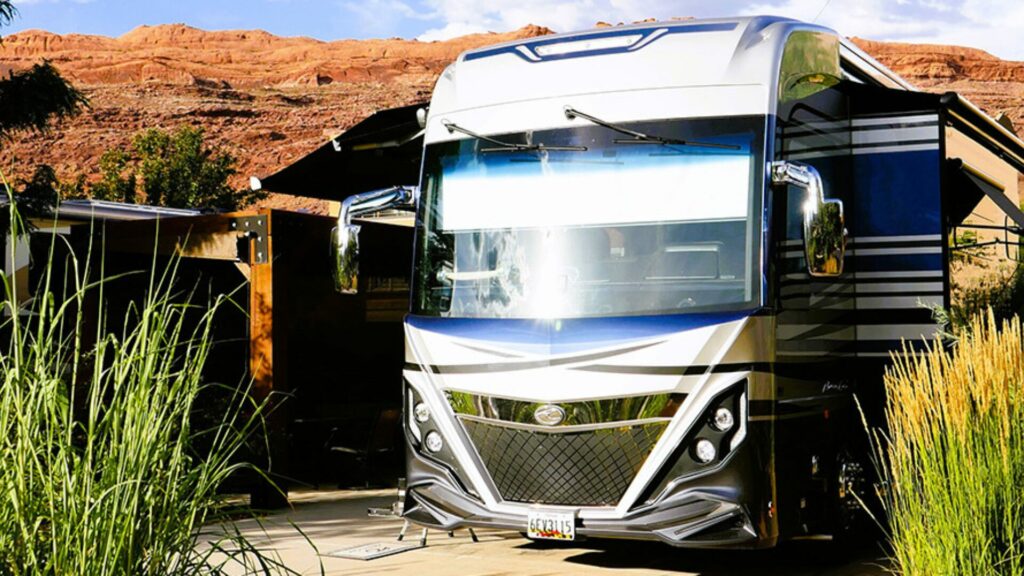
86,209
982,128
382,151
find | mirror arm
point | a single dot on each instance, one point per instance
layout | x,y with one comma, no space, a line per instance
799,174
369,202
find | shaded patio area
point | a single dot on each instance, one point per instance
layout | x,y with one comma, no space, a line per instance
333,520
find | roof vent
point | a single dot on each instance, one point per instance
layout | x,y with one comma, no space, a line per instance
588,45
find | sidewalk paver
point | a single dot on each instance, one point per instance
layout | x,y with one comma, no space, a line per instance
333,520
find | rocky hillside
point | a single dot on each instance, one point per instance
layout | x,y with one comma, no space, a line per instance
269,99
266,99
995,85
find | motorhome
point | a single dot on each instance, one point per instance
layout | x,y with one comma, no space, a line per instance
655,264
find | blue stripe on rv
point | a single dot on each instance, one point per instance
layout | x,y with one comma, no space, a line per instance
568,335
899,262
644,33
906,185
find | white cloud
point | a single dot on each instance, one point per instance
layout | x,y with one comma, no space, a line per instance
869,18
504,15
451,30
993,25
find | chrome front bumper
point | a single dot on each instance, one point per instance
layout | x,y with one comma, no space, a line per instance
708,512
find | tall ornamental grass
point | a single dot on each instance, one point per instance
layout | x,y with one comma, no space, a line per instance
954,455
99,468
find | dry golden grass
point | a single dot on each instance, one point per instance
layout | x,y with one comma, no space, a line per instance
953,456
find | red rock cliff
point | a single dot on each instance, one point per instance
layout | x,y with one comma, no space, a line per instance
269,99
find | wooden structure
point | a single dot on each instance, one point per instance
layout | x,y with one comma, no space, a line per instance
332,362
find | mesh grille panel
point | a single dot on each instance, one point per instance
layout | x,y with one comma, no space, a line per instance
591,468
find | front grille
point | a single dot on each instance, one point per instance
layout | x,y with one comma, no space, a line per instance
587,468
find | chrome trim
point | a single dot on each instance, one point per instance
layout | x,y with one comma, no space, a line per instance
565,429
620,409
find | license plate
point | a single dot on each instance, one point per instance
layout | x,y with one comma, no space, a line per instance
551,526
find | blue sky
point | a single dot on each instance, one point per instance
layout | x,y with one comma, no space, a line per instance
993,25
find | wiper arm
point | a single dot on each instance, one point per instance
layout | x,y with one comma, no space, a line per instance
502,146
639,137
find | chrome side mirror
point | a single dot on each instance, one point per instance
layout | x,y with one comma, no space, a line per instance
345,236
824,223
345,257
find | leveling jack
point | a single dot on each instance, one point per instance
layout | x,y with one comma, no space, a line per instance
395,511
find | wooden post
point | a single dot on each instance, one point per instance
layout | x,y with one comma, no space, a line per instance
261,367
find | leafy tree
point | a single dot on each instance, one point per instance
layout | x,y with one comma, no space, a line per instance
7,11
74,190
117,181
36,197
29,99
39,194
179,170
176,169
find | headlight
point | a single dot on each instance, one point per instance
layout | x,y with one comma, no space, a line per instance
433,441
422,412
724,420
703,450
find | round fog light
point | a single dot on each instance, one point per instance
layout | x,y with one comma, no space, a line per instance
704,451
434,443
723,420
422,412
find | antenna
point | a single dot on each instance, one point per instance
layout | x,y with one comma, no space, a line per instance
827,2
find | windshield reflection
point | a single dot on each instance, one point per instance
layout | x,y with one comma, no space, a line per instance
616,230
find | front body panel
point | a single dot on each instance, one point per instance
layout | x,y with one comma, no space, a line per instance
633,404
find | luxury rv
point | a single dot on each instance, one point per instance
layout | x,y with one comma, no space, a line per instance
655,265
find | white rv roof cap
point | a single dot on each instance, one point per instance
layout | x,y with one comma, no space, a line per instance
640,57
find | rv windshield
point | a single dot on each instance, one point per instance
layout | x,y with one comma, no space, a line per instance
617,229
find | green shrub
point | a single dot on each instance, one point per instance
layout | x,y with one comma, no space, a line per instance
953,456
99,472
117,182
1002,291
177,169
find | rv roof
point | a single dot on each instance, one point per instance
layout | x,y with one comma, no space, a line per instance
638,27
864,66
721,57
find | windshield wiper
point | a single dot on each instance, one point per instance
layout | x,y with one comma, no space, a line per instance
502,146
639,137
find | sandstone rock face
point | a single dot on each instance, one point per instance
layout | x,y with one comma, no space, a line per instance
242,59
269,100
266,99
995,85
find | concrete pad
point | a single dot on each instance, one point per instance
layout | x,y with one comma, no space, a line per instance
337,519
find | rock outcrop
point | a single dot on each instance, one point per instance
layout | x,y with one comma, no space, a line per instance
269,100
995,85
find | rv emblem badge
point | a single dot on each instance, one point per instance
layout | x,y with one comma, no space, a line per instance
549,415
